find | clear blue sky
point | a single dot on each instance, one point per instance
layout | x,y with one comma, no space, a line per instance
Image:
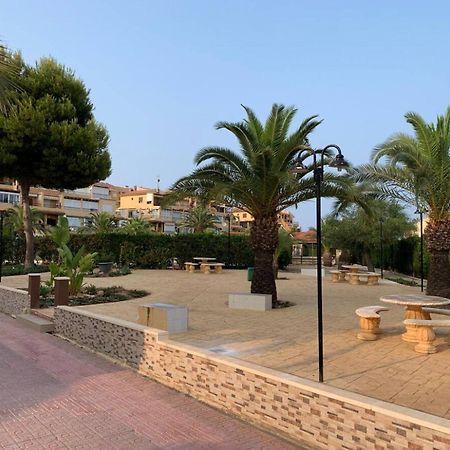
162,73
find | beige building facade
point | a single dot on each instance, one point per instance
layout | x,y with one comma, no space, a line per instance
245,219
77,205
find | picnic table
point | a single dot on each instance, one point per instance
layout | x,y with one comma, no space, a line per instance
203,259
355,268
414,304
207,263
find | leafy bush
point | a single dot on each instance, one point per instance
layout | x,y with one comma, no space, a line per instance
20,270
156,251
284,259
72,265
404,281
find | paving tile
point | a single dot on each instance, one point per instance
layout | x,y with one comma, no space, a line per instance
59,396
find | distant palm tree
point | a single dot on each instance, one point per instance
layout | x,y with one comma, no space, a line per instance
102,222
417,172
14,220
259,180
200,219
134,226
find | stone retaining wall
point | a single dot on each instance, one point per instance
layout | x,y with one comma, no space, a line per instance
311,413
13,301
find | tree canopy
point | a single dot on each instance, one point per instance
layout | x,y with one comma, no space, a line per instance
50,137
359,232
48,134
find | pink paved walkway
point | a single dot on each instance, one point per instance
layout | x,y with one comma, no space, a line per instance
54,395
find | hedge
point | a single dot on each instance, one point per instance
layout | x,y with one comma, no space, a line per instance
156,251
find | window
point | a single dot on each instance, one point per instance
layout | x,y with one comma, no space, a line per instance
50,203
7,197
100,192
91,206
107,208
244,215
74,222
73,204
141,199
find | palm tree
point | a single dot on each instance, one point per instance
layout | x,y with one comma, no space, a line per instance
259,180
200,219
14,220
417,172
135,225
102,222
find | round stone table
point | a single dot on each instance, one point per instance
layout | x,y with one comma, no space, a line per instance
414,304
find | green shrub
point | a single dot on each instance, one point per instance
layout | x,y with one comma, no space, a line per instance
20,270
284,259
156,251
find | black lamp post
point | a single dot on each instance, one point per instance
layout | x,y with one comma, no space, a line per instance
381,247
229,216
339,163
420,212
2,216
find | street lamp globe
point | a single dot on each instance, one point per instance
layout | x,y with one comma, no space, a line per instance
339,162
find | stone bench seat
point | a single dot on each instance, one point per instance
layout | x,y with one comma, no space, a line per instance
372,278
216,266
338,275
444,312
369,322
425,333
190,266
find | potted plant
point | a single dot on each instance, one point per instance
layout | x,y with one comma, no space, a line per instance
105,263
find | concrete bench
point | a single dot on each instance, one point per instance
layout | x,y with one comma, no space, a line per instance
206,267
355,278
425,333
253,302
372,278
444,312
171,318
338,275
190,266
369,322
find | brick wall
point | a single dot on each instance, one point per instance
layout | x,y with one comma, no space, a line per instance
13,301
311,413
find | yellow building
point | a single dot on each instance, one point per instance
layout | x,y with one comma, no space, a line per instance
146,204
244,219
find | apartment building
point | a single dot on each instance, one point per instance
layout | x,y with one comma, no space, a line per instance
76,205
146,203
244,219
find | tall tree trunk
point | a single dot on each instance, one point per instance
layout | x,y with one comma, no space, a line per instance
438,282
264,241
27,225
437,233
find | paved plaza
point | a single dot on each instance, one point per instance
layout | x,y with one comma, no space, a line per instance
286,339
54,395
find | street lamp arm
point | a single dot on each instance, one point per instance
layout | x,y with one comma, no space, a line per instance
333,146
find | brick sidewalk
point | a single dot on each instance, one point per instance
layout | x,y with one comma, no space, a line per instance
54,395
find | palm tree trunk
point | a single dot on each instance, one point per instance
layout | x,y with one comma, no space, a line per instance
264,241
438,282
437,233
27,225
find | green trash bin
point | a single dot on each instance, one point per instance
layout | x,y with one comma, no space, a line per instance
250,271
